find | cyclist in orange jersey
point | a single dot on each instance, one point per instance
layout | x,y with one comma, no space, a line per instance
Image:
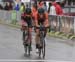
41,17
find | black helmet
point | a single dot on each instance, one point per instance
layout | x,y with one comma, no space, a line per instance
28,10
41,11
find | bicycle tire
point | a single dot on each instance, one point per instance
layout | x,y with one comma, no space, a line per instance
43,49
43,46
29,49
23,36
25,47
39,52
24,40
42,41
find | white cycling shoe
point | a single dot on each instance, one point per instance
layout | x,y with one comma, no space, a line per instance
37,51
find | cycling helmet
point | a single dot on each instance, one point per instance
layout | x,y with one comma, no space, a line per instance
28,10
41,11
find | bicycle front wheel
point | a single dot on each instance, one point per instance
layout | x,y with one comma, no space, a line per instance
43,48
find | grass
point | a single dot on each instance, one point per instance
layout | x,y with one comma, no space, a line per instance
61,35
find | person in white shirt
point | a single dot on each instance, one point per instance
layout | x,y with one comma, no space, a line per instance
52,9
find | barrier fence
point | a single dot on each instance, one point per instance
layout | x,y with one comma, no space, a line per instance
65,24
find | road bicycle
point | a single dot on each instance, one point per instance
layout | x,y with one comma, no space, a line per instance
42,41
26,41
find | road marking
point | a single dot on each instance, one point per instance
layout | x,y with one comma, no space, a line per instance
33,60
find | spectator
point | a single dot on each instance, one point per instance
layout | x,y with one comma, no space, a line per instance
49,7
45,6
1,7
17,7
59,10
22,8
40,4
52,9
8,6
34,10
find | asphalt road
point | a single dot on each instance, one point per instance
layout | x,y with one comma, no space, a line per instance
11,48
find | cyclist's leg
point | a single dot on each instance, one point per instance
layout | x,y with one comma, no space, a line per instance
45,32
30,32
24,28
37,38
30,29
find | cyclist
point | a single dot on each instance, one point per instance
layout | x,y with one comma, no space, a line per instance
41,17
27,17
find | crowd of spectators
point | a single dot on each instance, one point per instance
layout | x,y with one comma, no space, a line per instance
7,6
12,6
53,9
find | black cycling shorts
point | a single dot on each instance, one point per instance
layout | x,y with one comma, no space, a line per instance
28,20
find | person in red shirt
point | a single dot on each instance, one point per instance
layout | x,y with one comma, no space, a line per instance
59,10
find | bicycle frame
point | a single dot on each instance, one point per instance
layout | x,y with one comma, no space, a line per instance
27,44
42,41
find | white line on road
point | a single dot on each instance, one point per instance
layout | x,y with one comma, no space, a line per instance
33,60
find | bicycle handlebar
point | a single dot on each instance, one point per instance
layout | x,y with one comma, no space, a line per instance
41,28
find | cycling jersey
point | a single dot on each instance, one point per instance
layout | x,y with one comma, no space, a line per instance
42,20
27,17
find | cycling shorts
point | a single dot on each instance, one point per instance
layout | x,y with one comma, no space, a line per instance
28,20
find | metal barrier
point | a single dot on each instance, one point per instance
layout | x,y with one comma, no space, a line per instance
54,22
65,24
10,16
